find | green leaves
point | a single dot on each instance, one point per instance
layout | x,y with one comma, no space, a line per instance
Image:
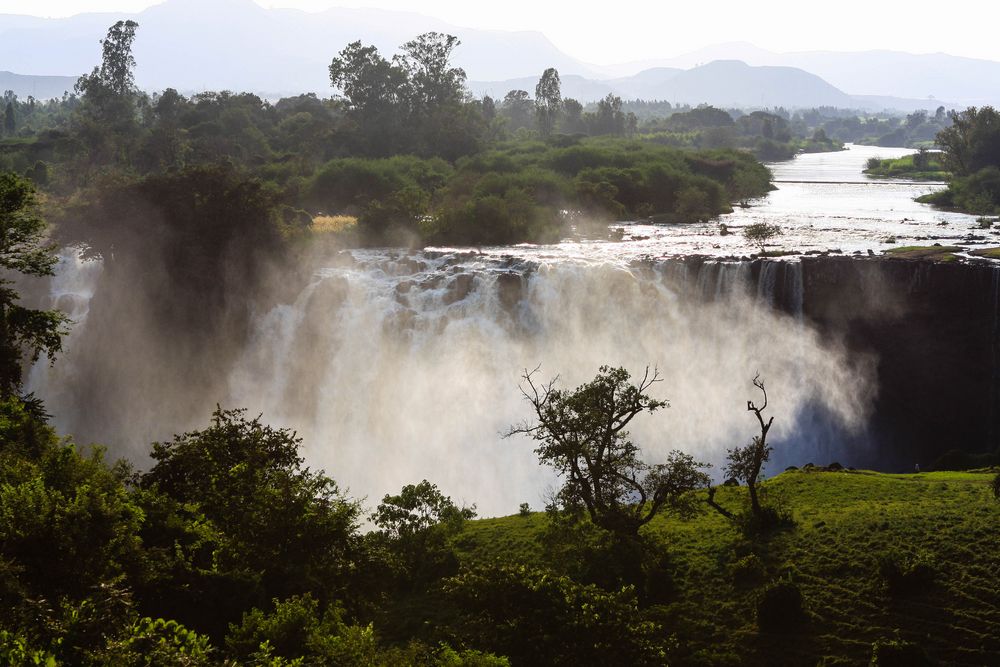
22,330
582,436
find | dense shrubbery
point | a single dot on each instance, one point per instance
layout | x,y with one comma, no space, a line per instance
780,608
227,533
971,152
922,165
540,618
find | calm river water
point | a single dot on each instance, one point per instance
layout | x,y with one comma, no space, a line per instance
823,203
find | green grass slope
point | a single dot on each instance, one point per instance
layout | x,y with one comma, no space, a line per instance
940,531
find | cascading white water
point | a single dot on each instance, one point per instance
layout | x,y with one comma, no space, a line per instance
70,291
794,287
397,370
767,283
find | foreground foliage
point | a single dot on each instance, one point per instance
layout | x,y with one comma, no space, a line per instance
228,549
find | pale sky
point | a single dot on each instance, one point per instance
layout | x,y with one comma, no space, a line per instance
626,30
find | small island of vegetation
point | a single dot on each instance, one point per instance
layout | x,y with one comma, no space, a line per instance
923,165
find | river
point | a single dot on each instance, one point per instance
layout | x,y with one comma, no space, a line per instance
823,202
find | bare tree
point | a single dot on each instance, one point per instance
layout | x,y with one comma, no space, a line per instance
746,462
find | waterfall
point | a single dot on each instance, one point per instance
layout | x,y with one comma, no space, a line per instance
70,291
408,368
794,288
395,367
767,282
994,303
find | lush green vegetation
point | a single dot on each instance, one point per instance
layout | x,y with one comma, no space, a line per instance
229,549
971,152
905,558
404,148
768,135
920,166
936,252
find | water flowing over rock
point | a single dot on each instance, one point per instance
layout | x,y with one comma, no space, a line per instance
400,366
392,375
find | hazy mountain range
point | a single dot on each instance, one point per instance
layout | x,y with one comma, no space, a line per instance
196,45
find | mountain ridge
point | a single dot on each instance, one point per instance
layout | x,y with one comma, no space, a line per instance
240,45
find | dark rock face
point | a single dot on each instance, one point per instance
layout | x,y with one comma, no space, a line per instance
932,329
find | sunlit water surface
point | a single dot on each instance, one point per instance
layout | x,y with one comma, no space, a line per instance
823,202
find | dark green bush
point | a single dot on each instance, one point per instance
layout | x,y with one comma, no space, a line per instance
748,570
780,608
537,617
905,574
898,653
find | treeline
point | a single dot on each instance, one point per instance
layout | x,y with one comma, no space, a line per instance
768,135
359,154
916,130
970,151
533,189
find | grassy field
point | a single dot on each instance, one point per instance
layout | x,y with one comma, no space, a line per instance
848,525
934,253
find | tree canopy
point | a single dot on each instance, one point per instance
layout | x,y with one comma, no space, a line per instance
23,331
581,434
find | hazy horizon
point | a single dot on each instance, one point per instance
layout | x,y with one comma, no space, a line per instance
646,33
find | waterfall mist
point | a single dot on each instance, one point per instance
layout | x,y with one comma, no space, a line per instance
397,369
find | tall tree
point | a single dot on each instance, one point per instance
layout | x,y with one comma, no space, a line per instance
972,142
516,108
370,83
426,60
745,463
548,101
610,119
581,434
23,332
117,64
108,118
115,77
9,120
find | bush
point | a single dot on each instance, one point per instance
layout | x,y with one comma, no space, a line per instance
759,233
748,570
158,643
540,618
780,608
905,574
898,653
297,628
771,518
957,459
